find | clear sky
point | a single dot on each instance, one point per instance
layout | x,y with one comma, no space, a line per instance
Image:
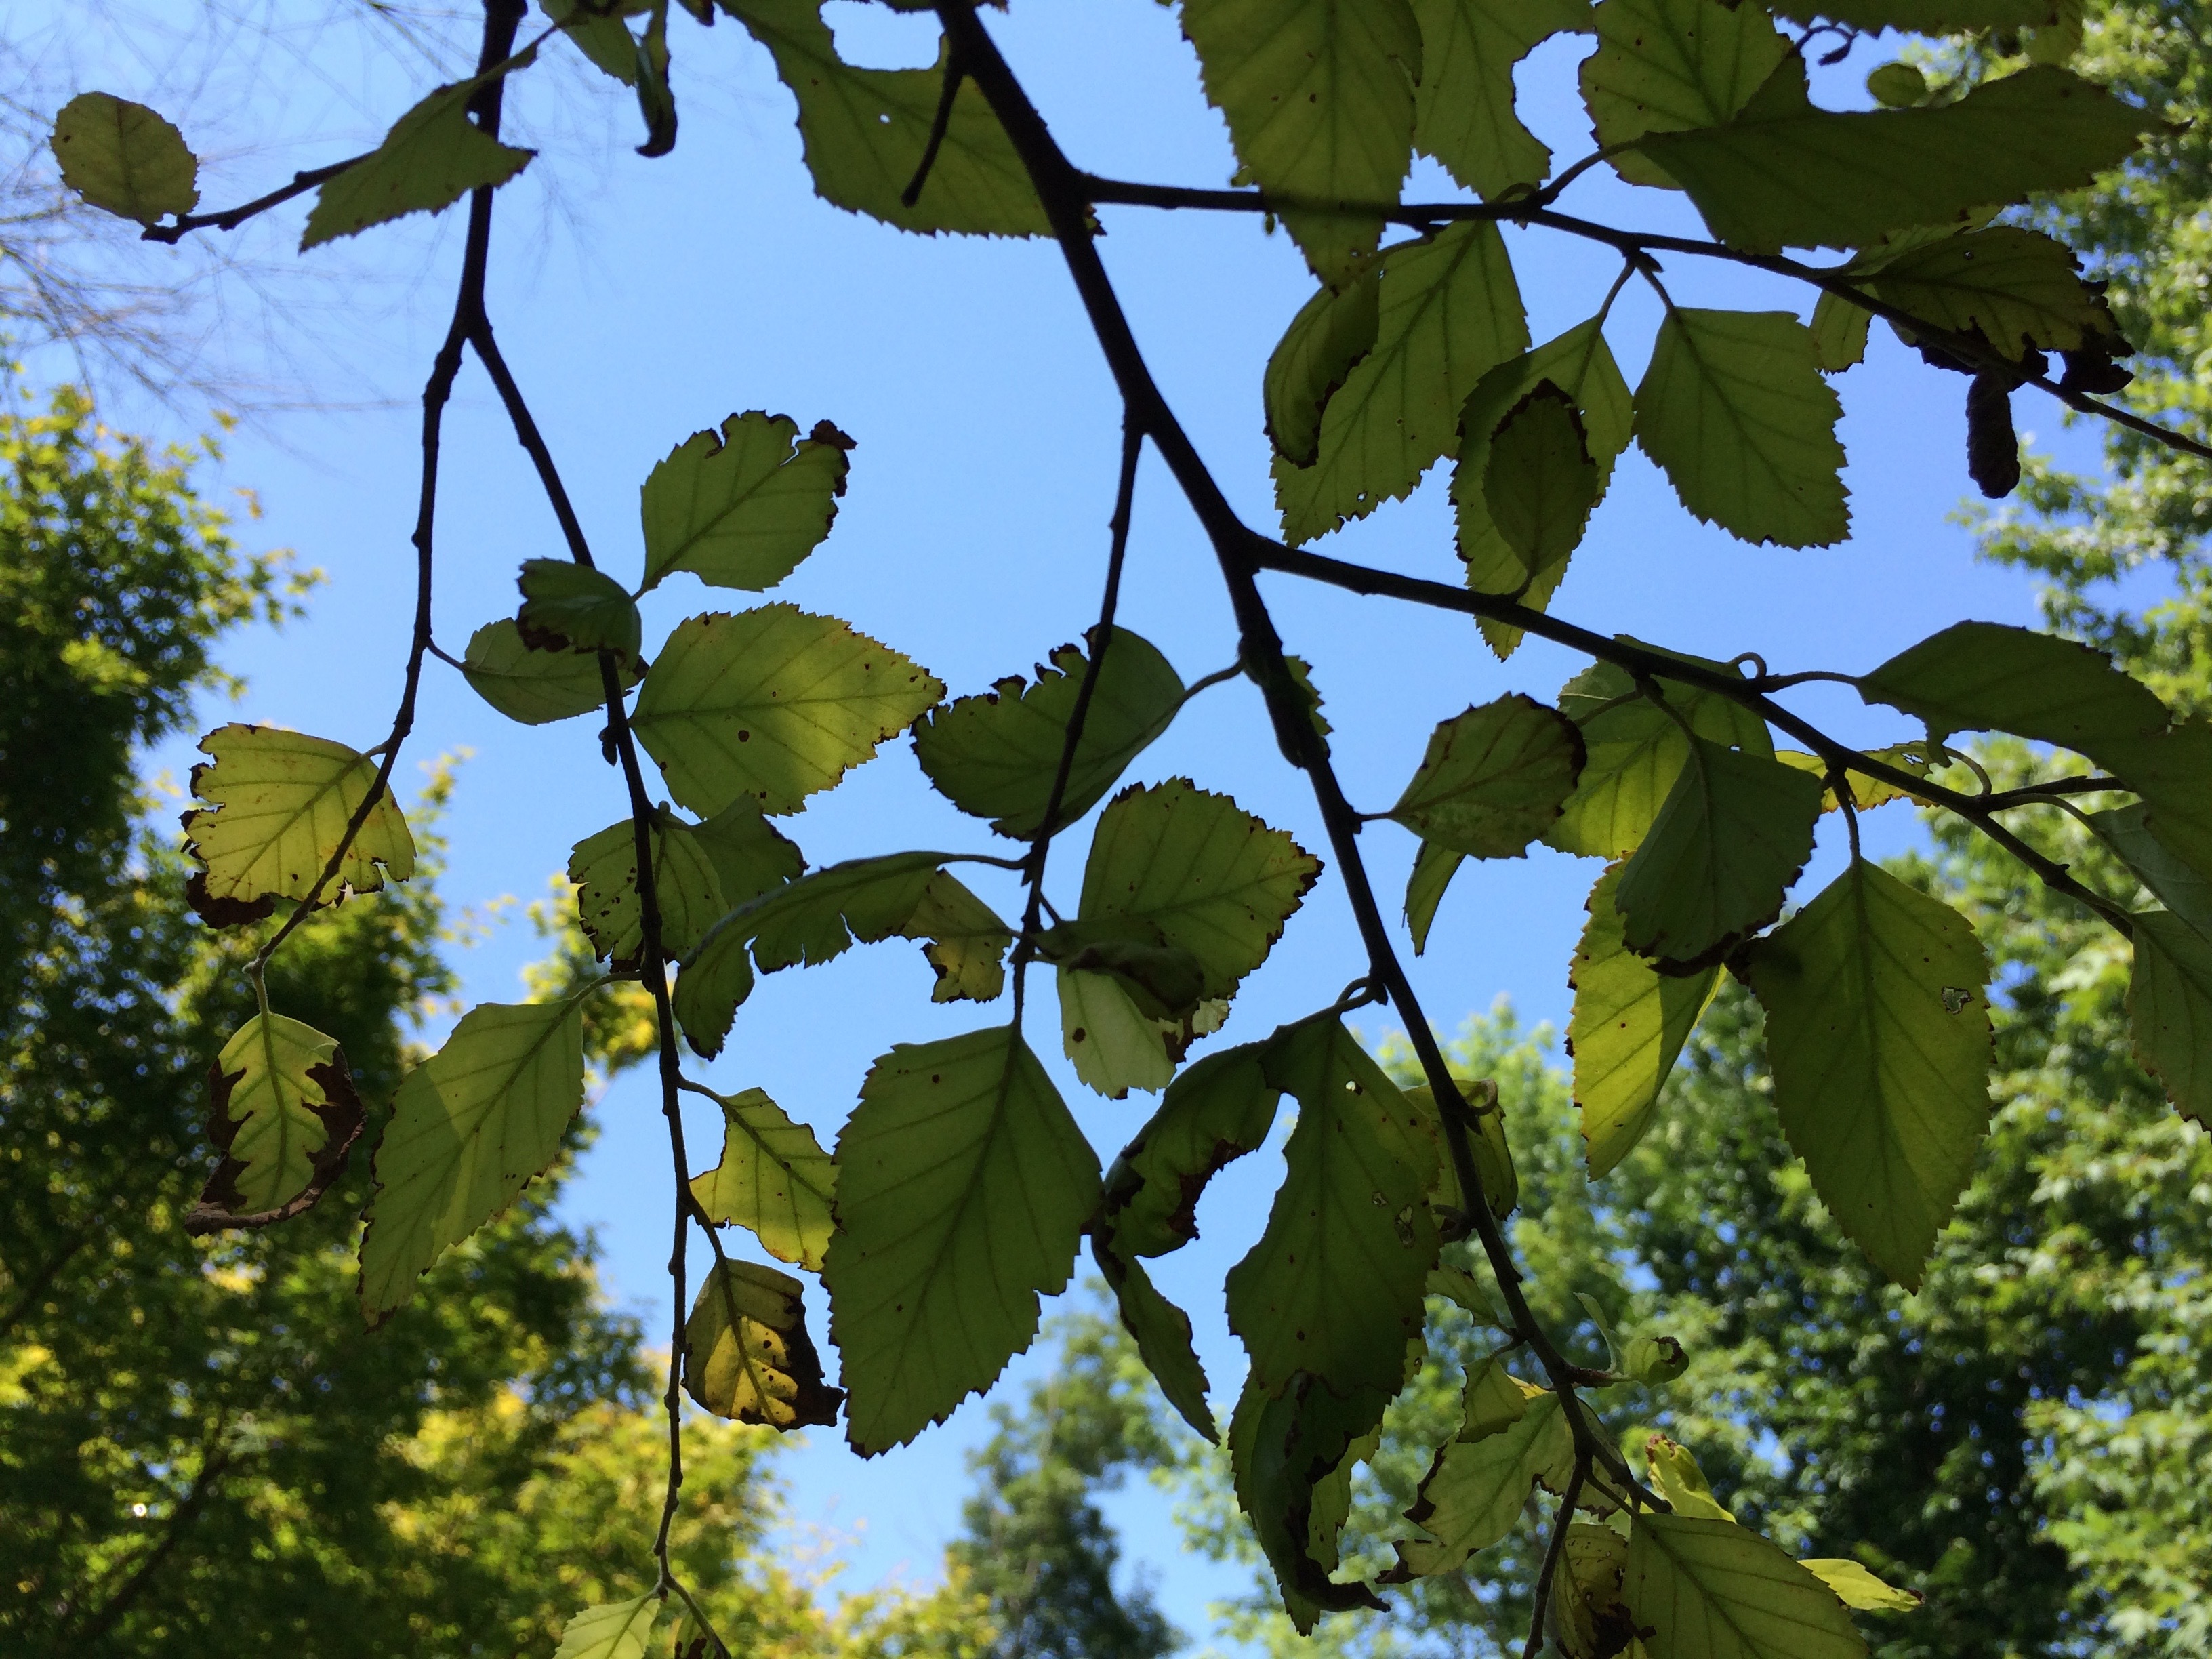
641,300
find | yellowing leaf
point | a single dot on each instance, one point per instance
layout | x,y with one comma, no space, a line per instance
124,157
1193,871
1450,312
1333,1288
741,508
1629,1024
1332,332
1663,66
996,756
2170,1010
1711,1589
685,886
2017,288
865,130
279,805
1674,1475
1493,778
1217,1111
433,156
535,687
1984,676
1162,1333
1867,791
963,1185
1878,1030
1784,174
1589,1620
1474,1492
1319,98
746,1354
1463,110
772,704
774,1179
1855,1587
283,1111
619,1630
1734,832
469,1128
1733,408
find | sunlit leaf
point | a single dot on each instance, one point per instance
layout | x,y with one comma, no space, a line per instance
1474,1492
1855,1587
1539,482
1878,1030
1493,778
2170,1009
774,1179
278,805
1319,98
1673,1473
1629,1024
1664,65
124,157
1449,313
1333,1288
1162,1333
2172,772
1217,1111
1492,1157
2017,288
620,1630
1985,677
686,888
1331,333
750,856
746,1353
1114,1046
963,1185
1733,408
1463,110
469,1128
600,35
572,607
1286,1450
535,687
1840,334
433,156
771,704
1867,791
996,756
1784,174
1711,1589
741,507
865,130
1433,868
1588,1615
283,1111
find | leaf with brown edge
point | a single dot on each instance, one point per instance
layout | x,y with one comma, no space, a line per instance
282,1110
225,911
1217,1111
1285,1449
747,1355
742,507
279,805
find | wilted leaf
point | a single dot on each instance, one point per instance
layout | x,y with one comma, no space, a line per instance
283,1111
746,1354
1219,1109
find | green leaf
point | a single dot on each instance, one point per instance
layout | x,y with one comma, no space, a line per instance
1840,334
819,916
1433,868
1181,866
601,36
741,508
536,687
2180,888
963,1185
772,704
996,756
1984,676
1474,1489
1539,482
1492,1157
1493,778
1629,1024
1319,98
1665,65
1450,312
1921,16
572,607
747,1356
1162,1333
278,806
1634,752
1733,408
1784,174
1458,1285
283,1111
1711,1589
1331,333
1463,109
1674,1475
1287,1451
469,1128
866,130
1494,1399
2172,772
1734,831
1855,1587
1867,791
2017,288
1217,1111
688,892
619,1630
2170,1010
1580,364
125,158
1333,1288
433,156
1878,1030
750,856
774,1179
1115,1047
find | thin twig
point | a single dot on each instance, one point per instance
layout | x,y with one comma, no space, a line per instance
1540,1614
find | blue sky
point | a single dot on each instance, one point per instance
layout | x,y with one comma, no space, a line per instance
641,300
